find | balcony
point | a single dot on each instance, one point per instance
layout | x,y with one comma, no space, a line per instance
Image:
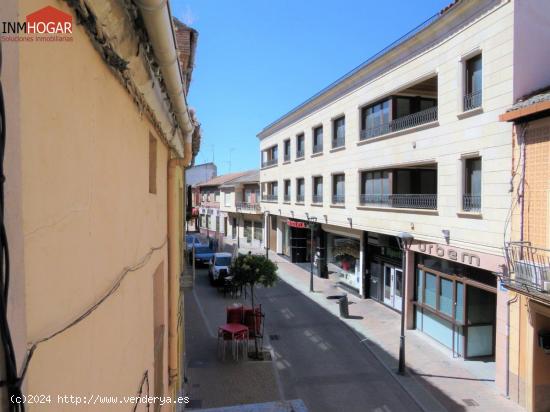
270,162
406,201
528,270
299,198
248,207
318,148
471,203
317,199
269,198
401,123
472,100
338,199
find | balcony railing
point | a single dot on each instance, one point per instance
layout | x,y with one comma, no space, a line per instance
270,162
318,148
528,269
287,198
472,100
299,154
402,123
471,203
269,198
317,199
338,199
406,201
286,157
248,207
339,141
299,198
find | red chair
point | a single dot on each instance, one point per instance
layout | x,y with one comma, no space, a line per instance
235,314
254,320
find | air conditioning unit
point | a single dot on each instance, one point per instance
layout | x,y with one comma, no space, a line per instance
533,274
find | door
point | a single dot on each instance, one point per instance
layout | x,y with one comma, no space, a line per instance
375,275
393,286
234,229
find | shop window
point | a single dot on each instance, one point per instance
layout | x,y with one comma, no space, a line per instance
459,307
419,286
343,259
430,291
248,230
258,231
446,296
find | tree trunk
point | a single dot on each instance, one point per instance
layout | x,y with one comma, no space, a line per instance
255,321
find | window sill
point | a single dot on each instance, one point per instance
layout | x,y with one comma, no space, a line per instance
471,215
299,158
269,201
399,133
286,162
286,202
337,149
399,210
299,203
469,113
338,206
317,154
317,204
269,167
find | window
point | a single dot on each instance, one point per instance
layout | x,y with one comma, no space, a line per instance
258,231
300,190
269,191
227,199
375,187
471,199
152,164
318,189
318,139
248,230
339,132
270,156
286,147
287,190
375,119
472,85
300,146
338,189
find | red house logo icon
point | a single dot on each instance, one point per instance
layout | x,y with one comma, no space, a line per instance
49,20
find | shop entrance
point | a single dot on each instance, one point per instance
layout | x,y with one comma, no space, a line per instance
393,286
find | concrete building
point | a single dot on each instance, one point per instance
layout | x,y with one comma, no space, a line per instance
528,255
410,141
194,175
242,215
98,134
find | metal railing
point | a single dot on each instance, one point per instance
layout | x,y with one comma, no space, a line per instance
338,199
472,100
407,201
402,123
299,154
528,268
286,158
339,141
299,198
317,198
248,207
287,198
270,162
318,148
269,198
471,203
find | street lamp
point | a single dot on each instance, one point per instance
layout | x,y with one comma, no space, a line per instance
404,240
311,220
266,216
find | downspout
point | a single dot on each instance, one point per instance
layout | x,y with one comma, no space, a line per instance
508,303
158,23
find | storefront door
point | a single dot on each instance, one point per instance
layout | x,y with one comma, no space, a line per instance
375,276
393,286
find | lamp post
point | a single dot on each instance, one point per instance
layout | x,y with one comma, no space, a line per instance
266,215
404,240
311,221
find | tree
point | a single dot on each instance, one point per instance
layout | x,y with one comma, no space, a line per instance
250,270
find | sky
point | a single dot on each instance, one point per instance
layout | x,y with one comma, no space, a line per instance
258,59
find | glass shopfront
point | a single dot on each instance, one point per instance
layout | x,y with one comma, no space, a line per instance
343,259
456,305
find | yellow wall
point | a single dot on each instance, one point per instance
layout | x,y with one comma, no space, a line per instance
87,213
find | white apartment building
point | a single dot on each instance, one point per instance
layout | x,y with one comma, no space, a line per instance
410,142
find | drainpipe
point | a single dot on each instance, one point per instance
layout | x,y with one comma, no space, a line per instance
508,303
158,22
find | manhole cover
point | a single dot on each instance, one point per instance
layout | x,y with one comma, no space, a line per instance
273,337
470,402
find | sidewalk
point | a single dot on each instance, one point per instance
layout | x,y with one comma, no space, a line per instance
429,364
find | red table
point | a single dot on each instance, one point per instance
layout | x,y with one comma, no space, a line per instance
236,333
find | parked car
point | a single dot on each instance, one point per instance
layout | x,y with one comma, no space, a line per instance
219,267
203,255
192,241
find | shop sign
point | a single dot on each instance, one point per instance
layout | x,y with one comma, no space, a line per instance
445,252
297,224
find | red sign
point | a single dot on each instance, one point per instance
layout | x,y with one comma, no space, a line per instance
297,224
49,20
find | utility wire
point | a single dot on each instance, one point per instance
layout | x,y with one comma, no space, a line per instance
142,262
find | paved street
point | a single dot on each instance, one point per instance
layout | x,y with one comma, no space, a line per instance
317,358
